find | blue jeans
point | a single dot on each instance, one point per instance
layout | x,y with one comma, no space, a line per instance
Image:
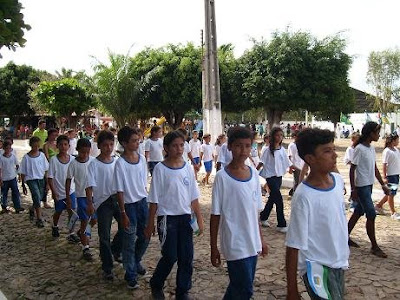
105,213
134,243
13,185
275,197
151,165
241,277
37,188
178,246
364,203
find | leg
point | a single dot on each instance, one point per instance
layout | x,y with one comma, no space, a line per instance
336,284
142,214
15,194
105,214
264,215
279,202
116,244
4,194
56,217
128,243
391,203
383,201
185,256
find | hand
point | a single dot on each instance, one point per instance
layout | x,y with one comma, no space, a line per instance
215,257
24,190
354,195
386,190
264,249
125,221
148,231
54,196
197,167
68,202
201,226
290,171
90,209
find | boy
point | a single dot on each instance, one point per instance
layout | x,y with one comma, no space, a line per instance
236,203
195,146
8,178
348,157
77,170
207,156
72,141
101,197
318,225
34,167
297,162
56,180
130,181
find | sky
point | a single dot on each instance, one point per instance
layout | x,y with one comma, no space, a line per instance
74,34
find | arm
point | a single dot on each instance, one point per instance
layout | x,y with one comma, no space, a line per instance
24,190
53,191
89,199
46,151
121,204
260,164
264,246
214,226
353,194
67,193
379,177
147,154
303,172
196,209
385,172
291,273
149,230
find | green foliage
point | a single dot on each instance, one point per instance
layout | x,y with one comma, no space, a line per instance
12,24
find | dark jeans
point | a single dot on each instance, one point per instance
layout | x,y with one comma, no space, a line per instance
13,185
178,246
241,277
275,197
134,243
335,285
296,177
105,213
151,165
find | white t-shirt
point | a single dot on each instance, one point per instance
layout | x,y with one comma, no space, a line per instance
131,179
364,159
391,157
141,148
34,167
238,204
294,155
207,150
348,156
217,150
263,149
225,155
8,167
195,147
100,178
155,149
318,225
78,172
173,190
94,150
58,172
72,146
186,151
274,165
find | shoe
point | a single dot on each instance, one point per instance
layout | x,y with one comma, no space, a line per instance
183,297
281,229
157,294
395,216
46,205
379,210
378,252
5,210
353,244
108,276
140,270
265,223
54,232
87,255
31,214
73,238
133,285
18,210
118,258
39,223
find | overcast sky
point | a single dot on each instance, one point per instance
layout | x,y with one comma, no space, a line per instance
67,33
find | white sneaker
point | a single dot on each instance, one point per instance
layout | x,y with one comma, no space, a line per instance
281,229
396,216
265,223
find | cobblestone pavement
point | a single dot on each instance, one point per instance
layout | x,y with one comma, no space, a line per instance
35,266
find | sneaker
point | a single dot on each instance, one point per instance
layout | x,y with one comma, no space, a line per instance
157,294
108,276
31,214
54,232
5,210
265,223
379,210
140,269
133,285
73,238
281,229
39,223
18,210
395,216
87,255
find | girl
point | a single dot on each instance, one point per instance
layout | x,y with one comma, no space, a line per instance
348,157
173,194
253,157
391,171
266,143
50,147
220,141
154,148
275,163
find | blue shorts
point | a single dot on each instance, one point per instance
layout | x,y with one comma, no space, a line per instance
196,160
61,204
37,188
82,209
393,179
208,166
364,203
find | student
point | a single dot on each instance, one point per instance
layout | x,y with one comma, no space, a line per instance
275,163
154,148
195,146
56,179
77,171
101,197
41,133
391,171
236,203
348,157
94,150
173,194
50,146
363,171
34,167
296,161
206,155
72,142
187,155
141,149
8,178
219,142
317,230
130,182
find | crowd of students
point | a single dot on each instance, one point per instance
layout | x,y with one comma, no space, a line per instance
111,183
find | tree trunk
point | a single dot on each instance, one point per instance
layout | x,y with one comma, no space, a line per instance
174,119
274,117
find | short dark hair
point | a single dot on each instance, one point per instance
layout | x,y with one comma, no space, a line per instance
41,121
61,138
171,136
309,139
238,132
154,129
33,140
83,143
104,135
125,133
6,143
182,131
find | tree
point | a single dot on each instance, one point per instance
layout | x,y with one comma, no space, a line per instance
61,98
12,25
296,71
384,76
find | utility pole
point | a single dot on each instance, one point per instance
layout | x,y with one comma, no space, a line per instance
212,119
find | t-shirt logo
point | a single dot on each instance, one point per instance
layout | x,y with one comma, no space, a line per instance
186,181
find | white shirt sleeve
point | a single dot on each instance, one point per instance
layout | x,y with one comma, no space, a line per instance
357,156
22,169
91,178
347,159
70,170
46,163
52,168
155,186
118,181
297,235
194,188
385,156
216,196
147,145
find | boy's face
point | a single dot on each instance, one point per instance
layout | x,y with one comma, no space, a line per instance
375,134
324,157
83,153
63,146
175,149
35,146
133,143
195,135
53,136
207,139
7,150
355,139
240,148
72,134
106,147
